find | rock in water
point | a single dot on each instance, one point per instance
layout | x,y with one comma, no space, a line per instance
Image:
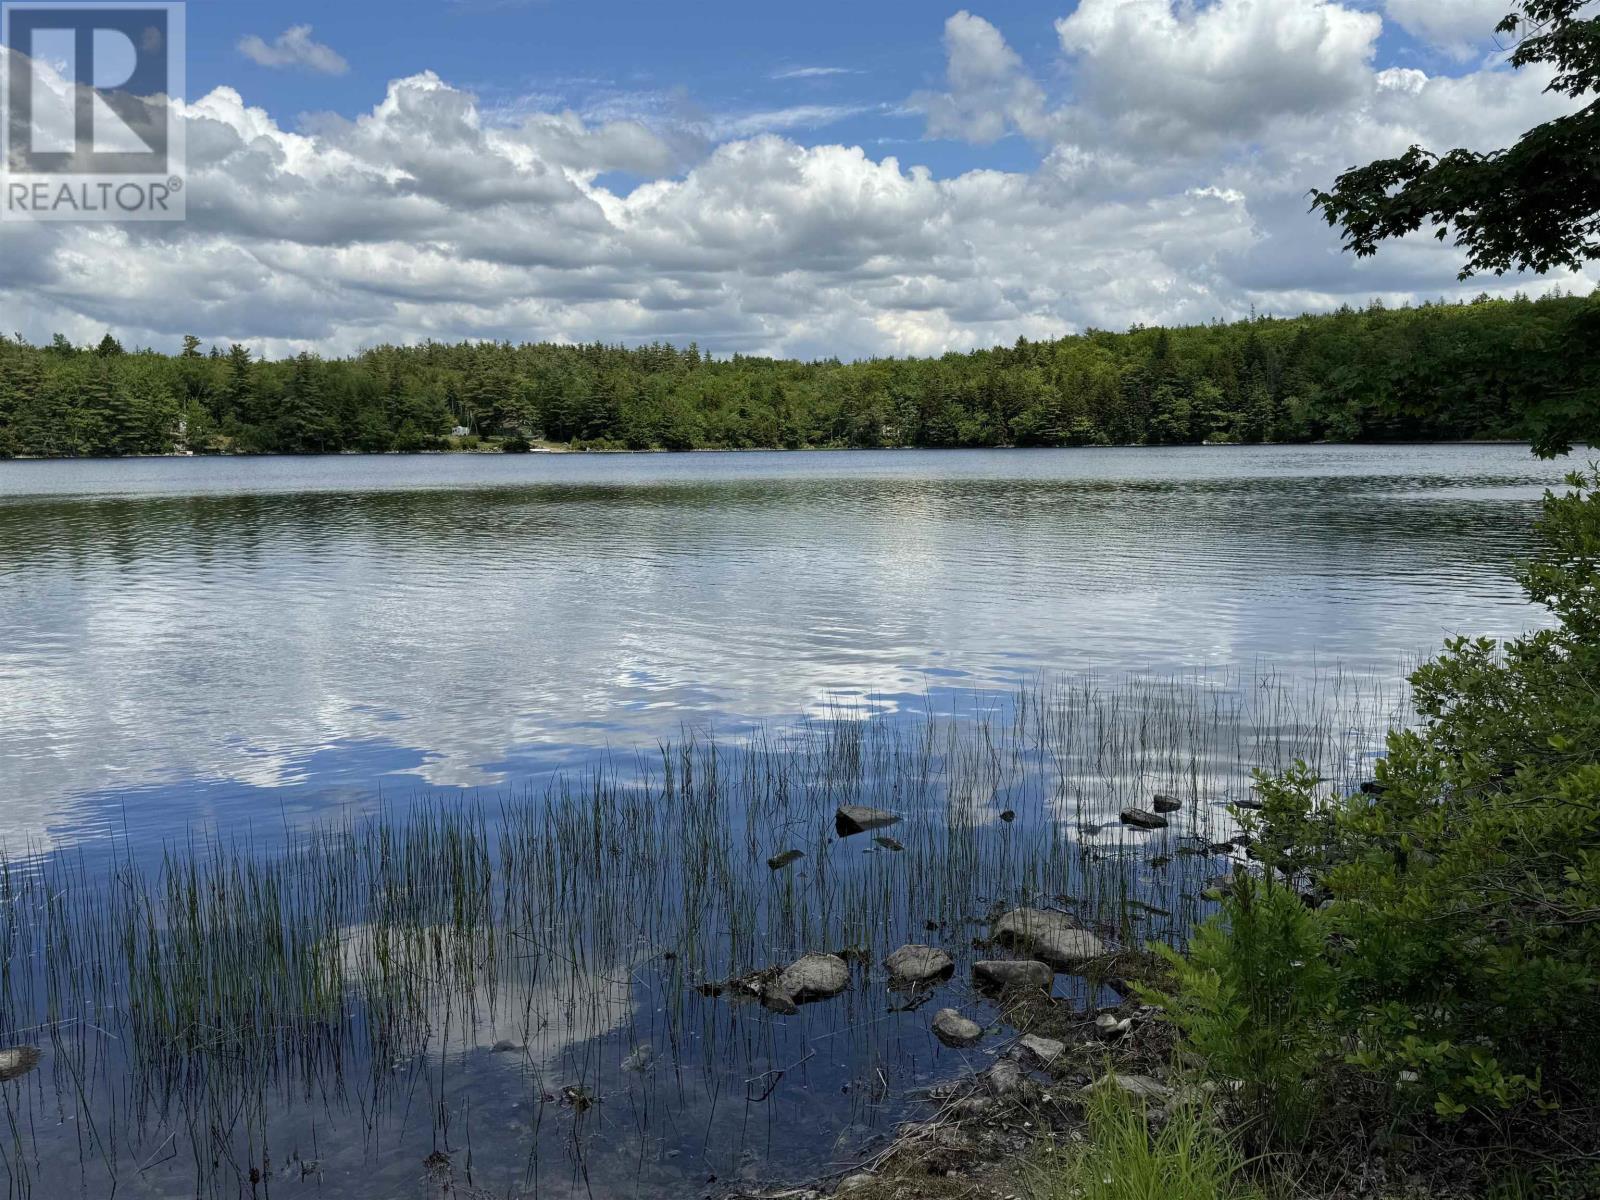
779,861
910,966
889,844
1140,819
1051,936
954,1030
1037,1052
1002,974
17,1061
853,819
1164,803
814,977
641,1059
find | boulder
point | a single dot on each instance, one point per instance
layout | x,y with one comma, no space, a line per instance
1164,803
814,977
1037,1052
1052,937
1004,974
911,966
1141,819
779,861
853,818
954,1030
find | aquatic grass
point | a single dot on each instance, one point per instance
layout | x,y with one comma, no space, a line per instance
187,1000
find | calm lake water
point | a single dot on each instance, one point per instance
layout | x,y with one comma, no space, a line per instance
251,648
190,639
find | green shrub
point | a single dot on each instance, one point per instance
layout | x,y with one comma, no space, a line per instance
1457,966
1186,1158
1253,996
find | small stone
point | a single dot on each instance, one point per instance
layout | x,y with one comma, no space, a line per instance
1164,803
17,1061
1006,1081
853,818
1053,937
814,977
507,1046
889,844
1140,819
640,1060
1139,1087
1008,816
779,861
1002,974
1111,1026
1037,1052
911,966
955,1031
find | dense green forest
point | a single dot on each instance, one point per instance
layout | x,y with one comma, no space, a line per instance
1441,371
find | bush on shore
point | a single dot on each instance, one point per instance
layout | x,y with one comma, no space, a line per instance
1424,957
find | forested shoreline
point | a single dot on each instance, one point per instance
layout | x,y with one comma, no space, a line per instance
1490,369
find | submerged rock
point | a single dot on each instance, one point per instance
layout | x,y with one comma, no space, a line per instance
1141,819
913,965
853,818
814,977
17,1061
955,1031
1002,974
779,861
889,844
1037,1052
1164,803
1053,937
641,1059
507,1046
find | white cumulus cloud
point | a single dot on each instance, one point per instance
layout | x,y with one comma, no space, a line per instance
1181,199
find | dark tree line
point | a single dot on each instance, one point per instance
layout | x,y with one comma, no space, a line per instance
1443,371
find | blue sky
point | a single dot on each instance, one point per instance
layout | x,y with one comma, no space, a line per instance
708,59
852,179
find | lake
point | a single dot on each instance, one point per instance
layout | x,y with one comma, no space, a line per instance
531,727
194,637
